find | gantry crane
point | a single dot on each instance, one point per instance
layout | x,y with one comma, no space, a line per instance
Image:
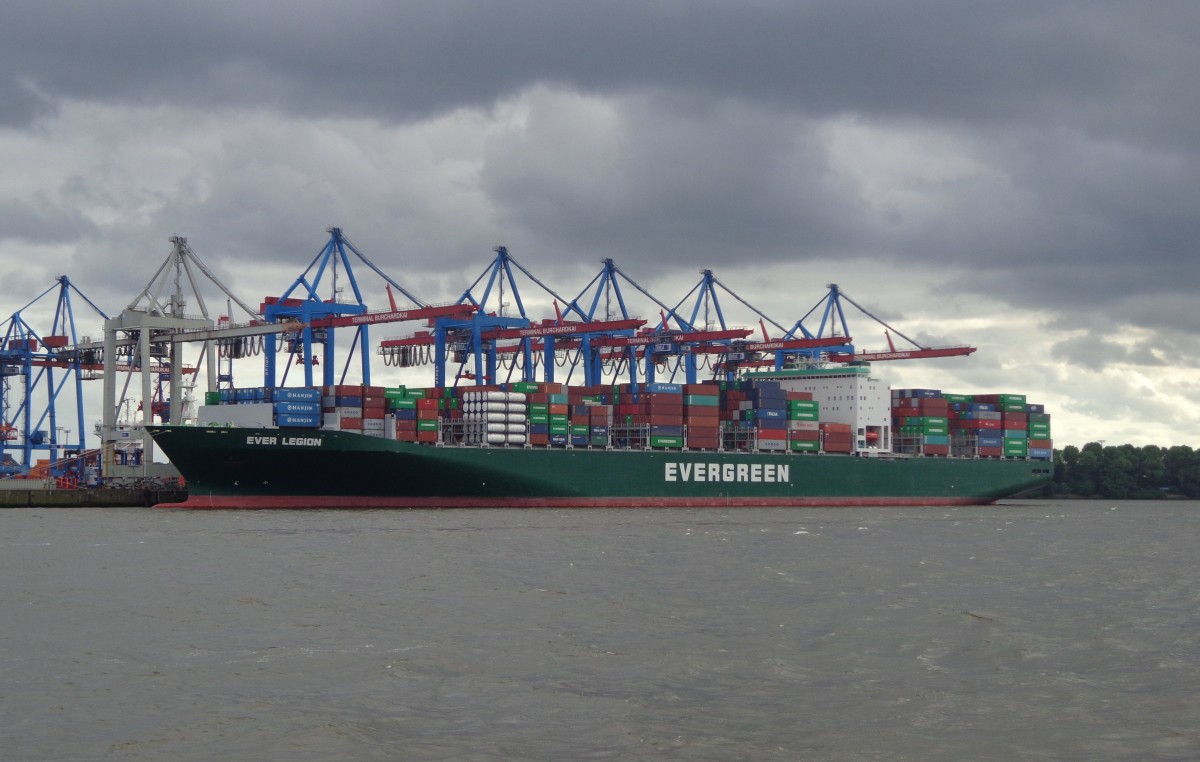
31,361
833,315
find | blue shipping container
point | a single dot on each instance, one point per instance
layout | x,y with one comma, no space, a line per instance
296,394
771,424
666,431
298,408
298,421
663,388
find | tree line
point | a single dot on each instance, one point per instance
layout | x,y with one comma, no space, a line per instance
1126,472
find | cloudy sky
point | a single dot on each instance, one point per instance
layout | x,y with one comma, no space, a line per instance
1019,176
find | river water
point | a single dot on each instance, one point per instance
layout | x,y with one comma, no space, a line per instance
1026,631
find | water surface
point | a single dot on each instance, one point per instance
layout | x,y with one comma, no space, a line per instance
1029,631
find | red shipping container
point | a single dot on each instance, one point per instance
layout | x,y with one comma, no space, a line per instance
350,423
427,436
801,435
665,419
991,452
702,443
976,425
701,390
558,409
841,428
1045,444
1014,420
427,403
932,449
663,400
798,396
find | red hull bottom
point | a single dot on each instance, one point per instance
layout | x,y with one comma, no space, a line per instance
293,502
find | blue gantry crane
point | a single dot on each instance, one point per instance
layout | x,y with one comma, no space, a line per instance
833,318
39,372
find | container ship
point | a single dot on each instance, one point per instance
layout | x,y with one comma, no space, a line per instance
807,437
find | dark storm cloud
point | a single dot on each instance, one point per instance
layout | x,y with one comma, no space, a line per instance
1098,65
1081,114
40,221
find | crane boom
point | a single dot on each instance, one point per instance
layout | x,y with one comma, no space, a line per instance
903,354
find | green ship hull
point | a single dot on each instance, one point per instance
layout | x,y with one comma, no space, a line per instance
295,468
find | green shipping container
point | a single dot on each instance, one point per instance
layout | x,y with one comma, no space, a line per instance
394,393
212,398
402,404
539,418
579,431
805,446
803,415
666,441
701,400
525,387
426,425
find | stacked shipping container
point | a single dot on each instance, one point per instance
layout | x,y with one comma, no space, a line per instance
928,422
742,415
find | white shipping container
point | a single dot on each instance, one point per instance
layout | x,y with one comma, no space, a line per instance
254,414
